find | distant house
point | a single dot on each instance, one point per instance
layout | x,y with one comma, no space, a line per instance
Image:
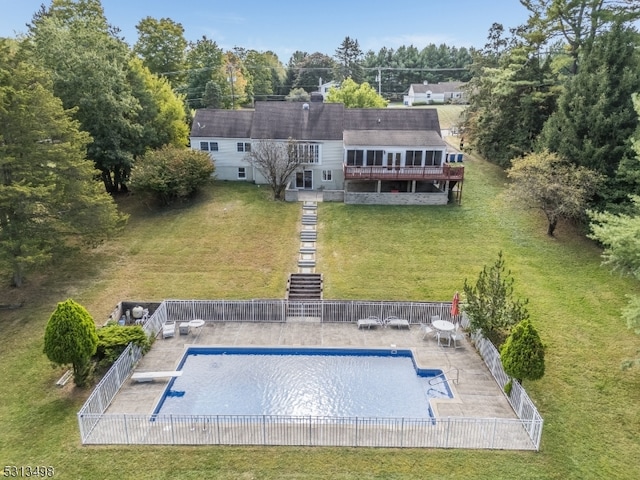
377,156
435,93
325,87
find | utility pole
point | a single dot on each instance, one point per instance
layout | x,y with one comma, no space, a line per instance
231,79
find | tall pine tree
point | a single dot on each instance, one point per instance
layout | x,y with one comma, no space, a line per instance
595,116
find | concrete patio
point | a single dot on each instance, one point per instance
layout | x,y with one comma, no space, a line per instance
476,394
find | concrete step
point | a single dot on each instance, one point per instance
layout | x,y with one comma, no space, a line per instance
308,236
306,263
305,286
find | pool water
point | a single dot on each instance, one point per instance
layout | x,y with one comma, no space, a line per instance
302,382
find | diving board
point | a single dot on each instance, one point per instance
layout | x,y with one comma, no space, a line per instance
150,376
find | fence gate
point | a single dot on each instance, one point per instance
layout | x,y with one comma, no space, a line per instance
309,311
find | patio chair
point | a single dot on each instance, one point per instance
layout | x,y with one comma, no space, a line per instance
396,322
457,336
426,330
443,335
168,329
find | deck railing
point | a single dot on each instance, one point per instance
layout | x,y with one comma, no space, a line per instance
96,427
442,172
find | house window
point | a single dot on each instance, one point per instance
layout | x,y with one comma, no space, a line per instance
307,152
374,157
355,157
244,146
326,176
433,158
413,158
209,146
242,173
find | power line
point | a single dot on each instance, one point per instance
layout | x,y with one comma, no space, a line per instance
324,69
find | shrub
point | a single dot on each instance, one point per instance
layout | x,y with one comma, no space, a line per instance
522,354
113,339
171,173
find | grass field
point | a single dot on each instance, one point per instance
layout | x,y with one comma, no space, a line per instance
233,242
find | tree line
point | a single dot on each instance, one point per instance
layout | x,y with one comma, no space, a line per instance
556,102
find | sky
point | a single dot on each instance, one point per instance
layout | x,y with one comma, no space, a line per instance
284,27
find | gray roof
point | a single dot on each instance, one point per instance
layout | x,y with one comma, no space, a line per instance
320,121
210,122
392,138
443,87
298,120
391,119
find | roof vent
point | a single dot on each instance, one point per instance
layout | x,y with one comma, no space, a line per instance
305,106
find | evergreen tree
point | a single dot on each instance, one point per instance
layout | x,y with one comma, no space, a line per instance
489,304
49,198
522,354
511,97
595,117
70,338
349,56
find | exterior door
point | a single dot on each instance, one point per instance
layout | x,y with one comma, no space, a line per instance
393,160
304,179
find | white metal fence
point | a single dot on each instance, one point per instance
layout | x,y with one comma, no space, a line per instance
280,310
452,432
96,427
518,397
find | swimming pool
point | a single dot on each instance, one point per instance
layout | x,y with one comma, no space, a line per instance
302,382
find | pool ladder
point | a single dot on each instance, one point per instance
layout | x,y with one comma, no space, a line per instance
442,379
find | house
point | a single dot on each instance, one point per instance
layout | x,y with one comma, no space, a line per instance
324,88
430,93
375,156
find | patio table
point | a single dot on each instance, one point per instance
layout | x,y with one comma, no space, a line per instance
443,325
196,323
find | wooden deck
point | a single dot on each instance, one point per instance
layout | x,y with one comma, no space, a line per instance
444,172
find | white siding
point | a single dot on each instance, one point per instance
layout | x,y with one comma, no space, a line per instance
227,159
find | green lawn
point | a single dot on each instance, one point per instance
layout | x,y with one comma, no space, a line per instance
233,242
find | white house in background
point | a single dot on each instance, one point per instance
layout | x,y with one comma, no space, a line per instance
353,155
324,88
430,93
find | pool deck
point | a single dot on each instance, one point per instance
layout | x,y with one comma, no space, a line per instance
476,394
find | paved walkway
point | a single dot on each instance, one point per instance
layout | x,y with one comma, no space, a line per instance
476,393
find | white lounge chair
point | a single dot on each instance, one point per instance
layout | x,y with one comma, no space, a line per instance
168,329
396,322
369,322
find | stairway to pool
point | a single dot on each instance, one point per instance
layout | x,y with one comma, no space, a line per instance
306,284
